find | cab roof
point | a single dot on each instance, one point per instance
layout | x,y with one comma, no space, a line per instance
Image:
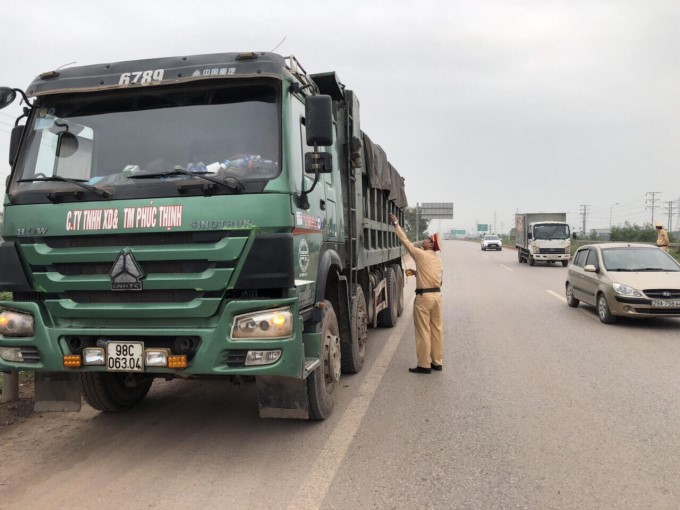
158,71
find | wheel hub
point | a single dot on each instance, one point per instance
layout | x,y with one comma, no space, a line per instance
333,362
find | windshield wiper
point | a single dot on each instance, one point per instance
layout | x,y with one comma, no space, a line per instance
639,269
78,182
238,187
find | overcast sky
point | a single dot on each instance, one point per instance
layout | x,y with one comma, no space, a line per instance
497,106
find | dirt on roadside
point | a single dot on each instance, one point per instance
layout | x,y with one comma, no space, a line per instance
18,410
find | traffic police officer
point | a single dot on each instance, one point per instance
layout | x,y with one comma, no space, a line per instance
427,309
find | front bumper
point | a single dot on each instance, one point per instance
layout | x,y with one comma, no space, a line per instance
630,307
214,352
551,256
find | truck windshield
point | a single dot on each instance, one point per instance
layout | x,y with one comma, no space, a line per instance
548,231
150,141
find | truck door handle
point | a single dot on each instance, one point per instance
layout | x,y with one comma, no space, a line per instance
322,204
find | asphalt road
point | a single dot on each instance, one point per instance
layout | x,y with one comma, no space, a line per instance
538,406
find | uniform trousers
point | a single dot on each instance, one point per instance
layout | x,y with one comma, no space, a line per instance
427,315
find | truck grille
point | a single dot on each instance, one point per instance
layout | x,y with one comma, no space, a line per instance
150,239
30,354
147,296
235,358
548,251
183,272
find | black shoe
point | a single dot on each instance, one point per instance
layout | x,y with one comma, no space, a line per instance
438,368
420,370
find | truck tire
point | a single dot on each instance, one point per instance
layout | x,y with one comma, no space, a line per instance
387,318
564,263
532,261
520,259
321,383
353,352
399,273
113,392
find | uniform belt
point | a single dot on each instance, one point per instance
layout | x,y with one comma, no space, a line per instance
423,291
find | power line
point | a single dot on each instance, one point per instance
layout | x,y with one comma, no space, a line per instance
652,202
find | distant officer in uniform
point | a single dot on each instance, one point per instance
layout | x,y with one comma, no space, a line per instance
427,309
662,237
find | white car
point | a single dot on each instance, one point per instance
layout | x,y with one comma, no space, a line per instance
491,242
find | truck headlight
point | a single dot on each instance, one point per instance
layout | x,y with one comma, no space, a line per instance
265,324
16,324
536,249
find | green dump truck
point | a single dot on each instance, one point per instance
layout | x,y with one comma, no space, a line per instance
209,216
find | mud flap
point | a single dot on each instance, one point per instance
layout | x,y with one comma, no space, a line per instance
56,392
282,397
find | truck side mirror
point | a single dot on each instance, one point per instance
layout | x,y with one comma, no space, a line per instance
319,120
15,138
529,236
7,95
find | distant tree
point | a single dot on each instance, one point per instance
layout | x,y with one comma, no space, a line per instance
634,233
410,224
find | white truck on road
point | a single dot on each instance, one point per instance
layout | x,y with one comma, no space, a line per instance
542,237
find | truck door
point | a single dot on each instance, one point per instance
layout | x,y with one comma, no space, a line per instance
332,185
310,224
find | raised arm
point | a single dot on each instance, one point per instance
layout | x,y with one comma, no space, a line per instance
404,238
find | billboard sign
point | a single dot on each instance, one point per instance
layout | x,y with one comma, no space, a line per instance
482,227
436,211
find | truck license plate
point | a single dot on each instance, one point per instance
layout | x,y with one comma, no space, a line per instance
666,303
125,356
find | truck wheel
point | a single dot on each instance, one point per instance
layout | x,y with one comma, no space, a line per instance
571,300
354,351
532,261
519,257
387,318
564,263
321,383
110,392
603,312
399,273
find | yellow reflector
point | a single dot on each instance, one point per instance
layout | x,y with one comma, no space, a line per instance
177,361
72,361
4,320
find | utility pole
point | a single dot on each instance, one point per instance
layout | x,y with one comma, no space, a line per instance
652,202
584,214
495,230
417,221
670,205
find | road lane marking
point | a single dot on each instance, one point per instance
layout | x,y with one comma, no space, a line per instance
582,310
329,460
558,296
506,267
